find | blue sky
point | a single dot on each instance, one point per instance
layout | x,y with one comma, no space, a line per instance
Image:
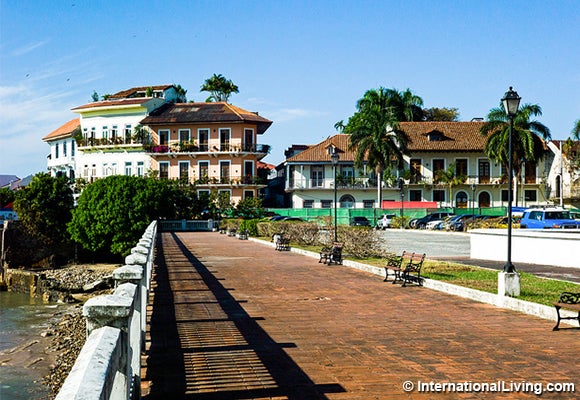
302,64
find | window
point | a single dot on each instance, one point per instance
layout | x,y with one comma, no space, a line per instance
140,168
56,150
415,195
114,168
203,138
72,147
249,194
184,170
203,194
163,170
461,167
484,200
438,168
248,140
128,131
530,195
346,201
368,204
317,176
504,195
163,137
94,170
308,204
225,139
64,149
203,170
248,172
461,200
86,171
326,203
484,171
105,132
415,170
128,168
184,135
438,195
224,171
530,172
114,132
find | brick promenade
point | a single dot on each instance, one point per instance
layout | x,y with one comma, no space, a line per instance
233,319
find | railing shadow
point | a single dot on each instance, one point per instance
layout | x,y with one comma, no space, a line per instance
220,351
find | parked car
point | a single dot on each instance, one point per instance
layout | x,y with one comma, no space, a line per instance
359,221
385,221
548,218
421,223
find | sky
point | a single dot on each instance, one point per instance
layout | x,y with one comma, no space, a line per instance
301,64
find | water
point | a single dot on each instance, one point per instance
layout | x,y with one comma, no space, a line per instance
22,319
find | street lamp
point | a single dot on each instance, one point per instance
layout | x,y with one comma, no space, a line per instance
511,103
401,187
473,198
334,158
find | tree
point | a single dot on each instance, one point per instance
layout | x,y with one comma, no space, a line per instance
576,130
527,139
374,133
95,96
6,196
44,208
181,92
113,212
440,114
219,87
450,178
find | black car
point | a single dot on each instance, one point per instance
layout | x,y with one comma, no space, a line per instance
421,223
360,221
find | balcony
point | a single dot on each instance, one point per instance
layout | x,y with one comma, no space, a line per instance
328,183
192,147
87,144
230,181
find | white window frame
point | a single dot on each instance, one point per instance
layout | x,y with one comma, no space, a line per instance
179,164
183,132
168,168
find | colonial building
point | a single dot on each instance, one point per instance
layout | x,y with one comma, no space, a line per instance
432,148
63,149
214,145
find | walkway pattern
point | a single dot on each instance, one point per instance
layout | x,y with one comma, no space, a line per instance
232,319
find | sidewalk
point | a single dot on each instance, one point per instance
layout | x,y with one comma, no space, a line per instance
234,319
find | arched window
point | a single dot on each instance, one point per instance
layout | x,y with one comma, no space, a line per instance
484,199
347,201
461,200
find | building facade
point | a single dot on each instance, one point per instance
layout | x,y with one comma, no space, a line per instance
432,148
213,145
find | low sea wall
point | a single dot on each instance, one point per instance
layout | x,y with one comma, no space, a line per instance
559,247
109,364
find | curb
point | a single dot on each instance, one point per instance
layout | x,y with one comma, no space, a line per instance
509,303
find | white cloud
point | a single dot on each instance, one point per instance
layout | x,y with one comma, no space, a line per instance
28,48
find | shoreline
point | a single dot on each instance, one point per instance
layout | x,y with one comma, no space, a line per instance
48,357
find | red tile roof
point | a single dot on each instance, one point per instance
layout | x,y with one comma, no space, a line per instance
63,131
452,136
201,112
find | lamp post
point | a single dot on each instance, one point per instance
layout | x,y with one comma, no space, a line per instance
334,159
511,103
401,187
473,198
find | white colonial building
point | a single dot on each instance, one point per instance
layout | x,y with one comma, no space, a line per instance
432,148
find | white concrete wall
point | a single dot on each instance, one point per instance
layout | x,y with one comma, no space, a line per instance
544,247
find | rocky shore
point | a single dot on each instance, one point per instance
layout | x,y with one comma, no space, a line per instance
56,350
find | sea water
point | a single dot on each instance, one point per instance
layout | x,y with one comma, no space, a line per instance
22,319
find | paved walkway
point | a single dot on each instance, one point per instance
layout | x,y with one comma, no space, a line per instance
234,319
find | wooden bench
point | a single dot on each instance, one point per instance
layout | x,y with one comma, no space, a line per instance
406,268
570,301
281,242
331,254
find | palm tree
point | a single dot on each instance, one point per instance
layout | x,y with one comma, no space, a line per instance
450,178
527,143
374,134
576,130
219,87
